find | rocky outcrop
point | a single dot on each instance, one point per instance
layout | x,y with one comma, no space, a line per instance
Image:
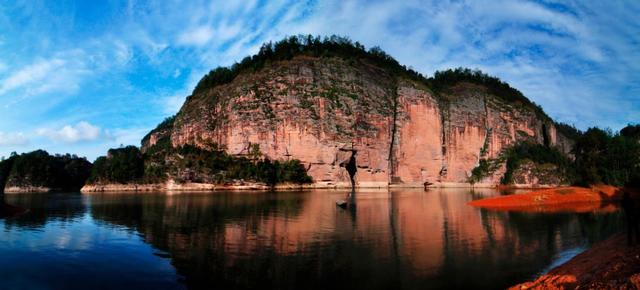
530,172
317,109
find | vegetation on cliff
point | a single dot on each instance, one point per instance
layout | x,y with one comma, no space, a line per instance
443,81
540,155
286,49
165,125
544,160
354,52
192,164
39,169
567,130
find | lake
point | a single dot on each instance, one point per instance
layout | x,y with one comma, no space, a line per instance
397,239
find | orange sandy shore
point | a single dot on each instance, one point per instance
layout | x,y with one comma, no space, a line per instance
576,199
610,264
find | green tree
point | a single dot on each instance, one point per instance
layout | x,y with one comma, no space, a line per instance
604,157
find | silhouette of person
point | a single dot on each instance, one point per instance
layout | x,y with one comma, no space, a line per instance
632,219
352,169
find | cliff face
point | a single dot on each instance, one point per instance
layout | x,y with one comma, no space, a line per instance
318,109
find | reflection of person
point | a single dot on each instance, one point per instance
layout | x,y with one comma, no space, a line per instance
352,169
632,219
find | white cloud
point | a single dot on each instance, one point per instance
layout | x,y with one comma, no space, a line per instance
13,139
82,131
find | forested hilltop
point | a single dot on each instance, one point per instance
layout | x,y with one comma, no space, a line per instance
40,172
354,52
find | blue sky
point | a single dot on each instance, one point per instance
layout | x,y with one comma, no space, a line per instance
82,76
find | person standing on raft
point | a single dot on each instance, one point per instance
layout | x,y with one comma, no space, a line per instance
352,169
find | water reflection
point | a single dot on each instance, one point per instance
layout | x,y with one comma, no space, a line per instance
43,208
301,240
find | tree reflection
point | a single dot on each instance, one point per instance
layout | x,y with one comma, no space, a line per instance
37,209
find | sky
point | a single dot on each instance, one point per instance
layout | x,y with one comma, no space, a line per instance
85,76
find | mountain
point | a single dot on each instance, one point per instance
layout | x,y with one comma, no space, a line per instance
317,100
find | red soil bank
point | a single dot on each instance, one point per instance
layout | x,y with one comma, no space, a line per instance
561,198
610,264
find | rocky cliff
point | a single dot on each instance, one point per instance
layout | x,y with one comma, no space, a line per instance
318,109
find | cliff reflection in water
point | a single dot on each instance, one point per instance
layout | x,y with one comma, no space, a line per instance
302,240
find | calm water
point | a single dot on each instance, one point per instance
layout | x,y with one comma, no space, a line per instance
294,240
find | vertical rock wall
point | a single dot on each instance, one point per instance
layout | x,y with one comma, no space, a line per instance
317,110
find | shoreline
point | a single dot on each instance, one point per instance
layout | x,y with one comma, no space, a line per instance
240,186
29,189
609,264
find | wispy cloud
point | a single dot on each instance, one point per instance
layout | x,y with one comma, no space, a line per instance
62,73
30,75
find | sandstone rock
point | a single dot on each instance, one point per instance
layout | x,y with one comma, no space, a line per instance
310,108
